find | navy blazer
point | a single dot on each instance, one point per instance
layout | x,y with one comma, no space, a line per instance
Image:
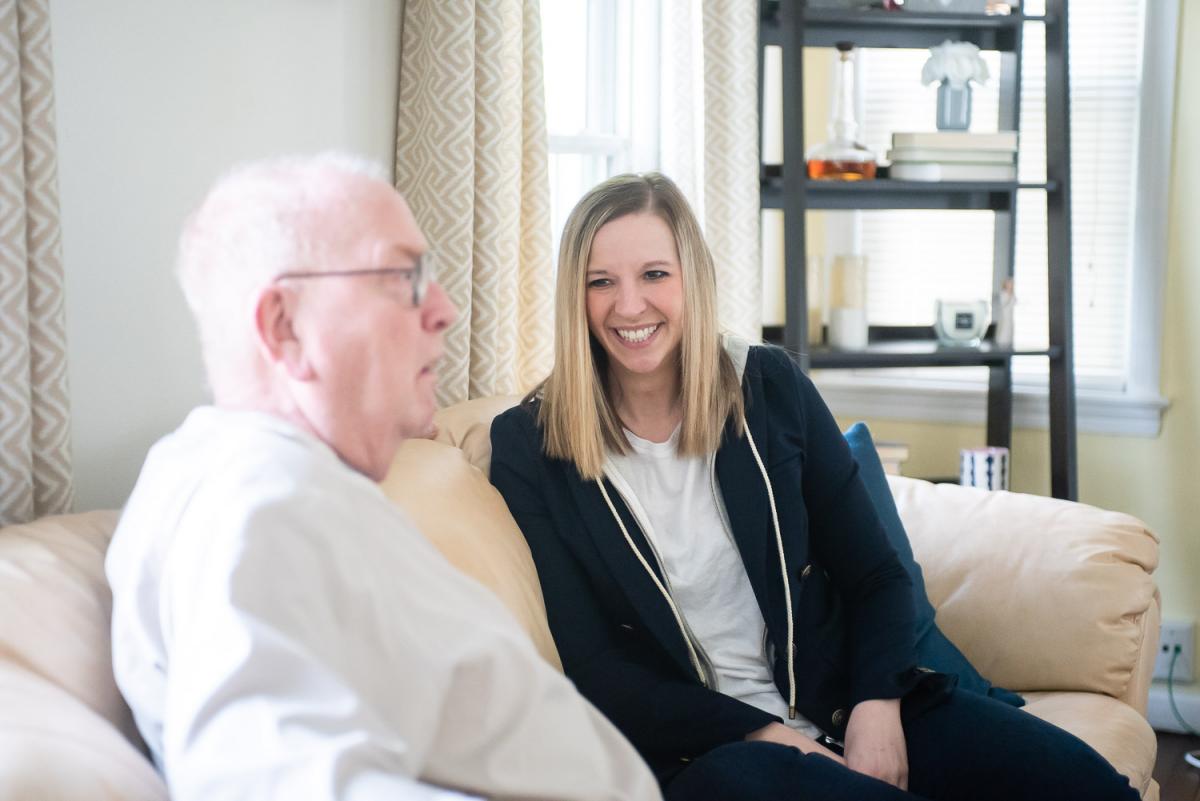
619,642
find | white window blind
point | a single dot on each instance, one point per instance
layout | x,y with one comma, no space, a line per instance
916,257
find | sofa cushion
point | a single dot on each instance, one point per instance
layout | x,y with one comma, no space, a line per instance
455,506
53,747
1114,729
468,427
934,649
1039,593
55,605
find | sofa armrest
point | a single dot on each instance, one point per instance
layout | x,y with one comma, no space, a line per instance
1039,593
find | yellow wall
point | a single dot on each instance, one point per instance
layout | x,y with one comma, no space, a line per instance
1158,479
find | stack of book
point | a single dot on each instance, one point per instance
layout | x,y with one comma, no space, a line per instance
954,156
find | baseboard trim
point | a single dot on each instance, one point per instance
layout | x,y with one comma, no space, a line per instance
1158,710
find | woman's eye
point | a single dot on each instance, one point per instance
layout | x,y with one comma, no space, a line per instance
656,275
599,283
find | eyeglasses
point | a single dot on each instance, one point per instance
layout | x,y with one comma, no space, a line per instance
418,275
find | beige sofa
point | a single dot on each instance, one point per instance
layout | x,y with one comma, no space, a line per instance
1048,598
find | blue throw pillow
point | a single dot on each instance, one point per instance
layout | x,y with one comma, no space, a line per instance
934,649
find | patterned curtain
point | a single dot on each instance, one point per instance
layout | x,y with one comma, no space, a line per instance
710,140
471,159
35,464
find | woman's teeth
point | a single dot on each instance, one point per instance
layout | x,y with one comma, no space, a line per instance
636,334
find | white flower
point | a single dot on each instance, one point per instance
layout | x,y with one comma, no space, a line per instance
956,62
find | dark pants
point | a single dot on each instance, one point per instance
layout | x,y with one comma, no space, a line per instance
966,748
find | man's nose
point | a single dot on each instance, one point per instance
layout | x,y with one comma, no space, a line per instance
437,312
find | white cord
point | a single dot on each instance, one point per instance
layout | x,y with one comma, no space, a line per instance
653,577
787,586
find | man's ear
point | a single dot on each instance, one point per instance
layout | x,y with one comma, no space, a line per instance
274,319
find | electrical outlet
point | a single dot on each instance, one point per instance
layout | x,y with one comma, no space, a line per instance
1175,635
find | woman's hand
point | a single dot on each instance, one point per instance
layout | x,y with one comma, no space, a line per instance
875,741
785,735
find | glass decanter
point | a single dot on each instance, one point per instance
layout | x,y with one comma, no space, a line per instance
841,158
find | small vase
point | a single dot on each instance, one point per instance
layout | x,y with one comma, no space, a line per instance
953,107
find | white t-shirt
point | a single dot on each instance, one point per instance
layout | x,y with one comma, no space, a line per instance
281,630
675,502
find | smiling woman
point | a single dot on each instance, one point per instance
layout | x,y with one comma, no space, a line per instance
716,578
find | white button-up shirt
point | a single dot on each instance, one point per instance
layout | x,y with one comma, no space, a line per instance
282,631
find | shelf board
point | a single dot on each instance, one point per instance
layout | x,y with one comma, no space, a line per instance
884,193
909,346
915,353
823,27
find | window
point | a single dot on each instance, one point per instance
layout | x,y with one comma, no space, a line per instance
601,120
1114,168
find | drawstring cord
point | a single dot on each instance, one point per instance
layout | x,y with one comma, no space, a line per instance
787,587
695,660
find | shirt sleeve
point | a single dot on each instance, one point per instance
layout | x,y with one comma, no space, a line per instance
260,701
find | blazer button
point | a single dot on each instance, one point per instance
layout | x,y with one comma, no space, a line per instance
807,569
838,718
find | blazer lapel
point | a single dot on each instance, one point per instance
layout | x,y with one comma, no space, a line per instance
655,614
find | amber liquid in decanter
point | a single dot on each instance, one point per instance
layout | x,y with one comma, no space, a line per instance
840,170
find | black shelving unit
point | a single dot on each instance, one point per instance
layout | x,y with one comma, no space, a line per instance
791,25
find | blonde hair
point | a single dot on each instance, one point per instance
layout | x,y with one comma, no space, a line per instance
577,413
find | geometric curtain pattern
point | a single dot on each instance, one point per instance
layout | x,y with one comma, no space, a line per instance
35,465
471,158
731,182
710,140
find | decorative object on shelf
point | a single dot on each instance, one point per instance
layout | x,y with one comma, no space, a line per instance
954,156
1002,313
841,158
953,65
985,468
960,323
848,303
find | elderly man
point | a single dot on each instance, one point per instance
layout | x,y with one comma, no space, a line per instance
280,629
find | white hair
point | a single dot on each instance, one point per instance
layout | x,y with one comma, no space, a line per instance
259,220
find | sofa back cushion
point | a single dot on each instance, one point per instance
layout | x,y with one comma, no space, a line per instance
456,507
55,607
1039,593
468,427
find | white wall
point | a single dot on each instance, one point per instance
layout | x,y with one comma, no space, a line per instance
154,100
